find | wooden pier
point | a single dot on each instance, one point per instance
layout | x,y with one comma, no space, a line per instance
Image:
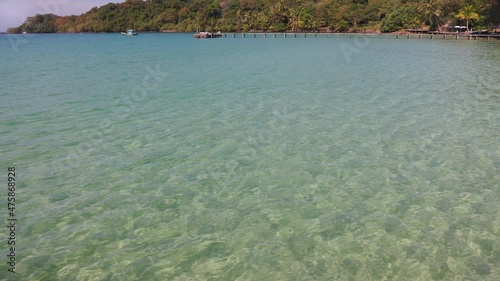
442,36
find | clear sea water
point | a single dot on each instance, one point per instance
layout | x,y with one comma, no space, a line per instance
162,157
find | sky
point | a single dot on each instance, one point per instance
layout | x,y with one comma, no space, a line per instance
14,12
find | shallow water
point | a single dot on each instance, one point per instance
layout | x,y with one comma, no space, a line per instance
161,157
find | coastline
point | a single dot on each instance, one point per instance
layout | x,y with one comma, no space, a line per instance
493,34
315,34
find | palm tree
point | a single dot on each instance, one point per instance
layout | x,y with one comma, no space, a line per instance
467,13
294,18
430,9
277,11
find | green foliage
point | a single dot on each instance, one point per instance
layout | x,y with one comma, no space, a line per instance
38,24
14,30
403,17
266,15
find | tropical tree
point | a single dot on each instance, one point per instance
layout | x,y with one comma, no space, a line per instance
293,15
431,10
402,17
467,13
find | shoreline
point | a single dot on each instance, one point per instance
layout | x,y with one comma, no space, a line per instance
306,34
277,32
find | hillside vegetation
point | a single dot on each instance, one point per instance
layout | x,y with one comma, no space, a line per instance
271,15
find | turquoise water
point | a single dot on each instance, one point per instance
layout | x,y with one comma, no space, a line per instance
162,157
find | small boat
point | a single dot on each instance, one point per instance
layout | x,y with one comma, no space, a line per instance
129,32
207,35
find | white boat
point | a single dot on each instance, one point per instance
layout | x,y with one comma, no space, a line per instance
129,32
207,35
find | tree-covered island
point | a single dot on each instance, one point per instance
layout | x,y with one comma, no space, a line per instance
272,15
